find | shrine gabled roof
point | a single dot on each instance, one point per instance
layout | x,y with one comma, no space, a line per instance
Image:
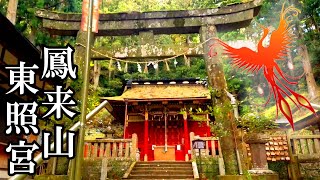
162,90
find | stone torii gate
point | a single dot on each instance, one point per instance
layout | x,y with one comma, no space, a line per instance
206,22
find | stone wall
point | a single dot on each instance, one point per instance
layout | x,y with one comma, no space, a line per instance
103,168
93,168
310,170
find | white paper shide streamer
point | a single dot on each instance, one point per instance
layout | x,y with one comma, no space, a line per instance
119,66
175,63
139,67
155,65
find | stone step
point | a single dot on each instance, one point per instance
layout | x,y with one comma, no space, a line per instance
170,179
161,176
163,179
165,162
164,168
161,171
163,165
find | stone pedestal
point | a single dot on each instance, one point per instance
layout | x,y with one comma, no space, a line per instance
257,143
109,136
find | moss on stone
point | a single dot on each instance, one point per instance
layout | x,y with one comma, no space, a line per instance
179,22
51,177
252,177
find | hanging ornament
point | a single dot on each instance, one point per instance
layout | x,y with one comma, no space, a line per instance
186,60
260,90
290,65
119,66
126,68
167,66
145,68
155,65
139,68
175,63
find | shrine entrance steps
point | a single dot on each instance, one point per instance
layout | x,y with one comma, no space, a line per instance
162,170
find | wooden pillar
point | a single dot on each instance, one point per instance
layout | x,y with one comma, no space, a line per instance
146,136
208,126
294,163
186,136
125,131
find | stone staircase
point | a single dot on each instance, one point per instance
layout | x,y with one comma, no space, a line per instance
162,170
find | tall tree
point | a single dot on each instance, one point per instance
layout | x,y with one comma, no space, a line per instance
308,30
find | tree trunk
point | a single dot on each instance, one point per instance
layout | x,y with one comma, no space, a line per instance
12,11
313,89
96,74
220,100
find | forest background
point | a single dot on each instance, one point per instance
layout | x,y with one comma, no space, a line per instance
250,89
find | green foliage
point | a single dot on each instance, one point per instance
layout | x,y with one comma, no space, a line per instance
210,166
3,6
62,166
281,167
247,175
220,113
109,88
112,81
254,122
237,81
159,5
118,168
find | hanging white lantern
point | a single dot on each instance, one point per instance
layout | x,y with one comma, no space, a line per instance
290,65
260,90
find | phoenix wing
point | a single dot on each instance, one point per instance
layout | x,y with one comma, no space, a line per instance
244,57
282,37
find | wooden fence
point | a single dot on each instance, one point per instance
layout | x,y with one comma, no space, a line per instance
213,149
212,146
305,147
111,148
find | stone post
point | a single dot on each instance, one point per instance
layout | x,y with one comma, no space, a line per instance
257,143
193,153
133,151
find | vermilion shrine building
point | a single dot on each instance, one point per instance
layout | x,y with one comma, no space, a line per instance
155,111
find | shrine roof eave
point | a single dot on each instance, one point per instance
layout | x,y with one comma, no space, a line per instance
310,120
119,99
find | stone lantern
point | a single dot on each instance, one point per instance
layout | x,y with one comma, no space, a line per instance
257,143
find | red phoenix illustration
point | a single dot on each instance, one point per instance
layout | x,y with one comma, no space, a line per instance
265,58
